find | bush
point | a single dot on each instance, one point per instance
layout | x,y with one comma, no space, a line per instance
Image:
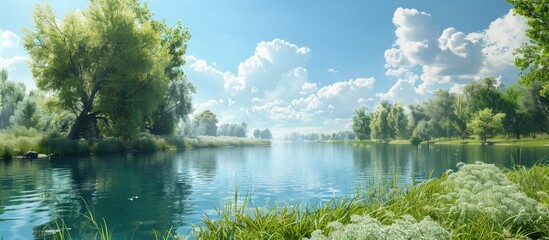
178,142
370,228
149,143
108,145
415,139
7,153
55,143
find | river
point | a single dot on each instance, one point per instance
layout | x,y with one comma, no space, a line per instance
136,193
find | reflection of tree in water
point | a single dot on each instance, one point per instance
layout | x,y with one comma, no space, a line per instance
203,162
134,193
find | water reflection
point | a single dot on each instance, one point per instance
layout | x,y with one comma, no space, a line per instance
137,193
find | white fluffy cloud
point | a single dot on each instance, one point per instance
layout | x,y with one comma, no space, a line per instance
13,59
422,60
273,59
272,88
8,39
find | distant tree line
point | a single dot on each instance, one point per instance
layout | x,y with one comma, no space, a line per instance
205,124
263,134
317,137
484,110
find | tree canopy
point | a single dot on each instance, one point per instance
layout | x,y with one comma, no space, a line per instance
206,120
110,62
532,57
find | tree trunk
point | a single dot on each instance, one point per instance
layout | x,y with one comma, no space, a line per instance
85,125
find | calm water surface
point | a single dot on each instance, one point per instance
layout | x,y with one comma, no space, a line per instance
136,193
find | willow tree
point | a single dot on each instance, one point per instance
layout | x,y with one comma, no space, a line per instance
177,102
101,63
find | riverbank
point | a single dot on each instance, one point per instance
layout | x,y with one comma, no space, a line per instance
478,201
539,141
16,142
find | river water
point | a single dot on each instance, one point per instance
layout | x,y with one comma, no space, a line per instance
137,193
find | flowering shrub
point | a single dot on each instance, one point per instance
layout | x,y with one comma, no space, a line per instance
479,189
370,228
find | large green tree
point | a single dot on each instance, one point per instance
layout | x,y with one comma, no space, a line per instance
398,121
516,114
533,57
486,125
537,107
440,110
361,123
461,116
206,120
106,62
382,129
483,94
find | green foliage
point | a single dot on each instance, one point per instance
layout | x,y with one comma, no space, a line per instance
399,121
57,144
7,153
11,94
440,110
28,113
343,135
108,145
479,201
361,123
537,108
177,103
486,125
381,128
206,120
233,130
370,228
100,62
532,57
461,116
18,140
149,143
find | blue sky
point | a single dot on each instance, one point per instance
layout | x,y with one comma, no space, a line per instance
307,65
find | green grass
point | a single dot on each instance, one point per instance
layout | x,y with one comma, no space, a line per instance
539,141
422,201
212,142
452,206
542,140
14,142
17,141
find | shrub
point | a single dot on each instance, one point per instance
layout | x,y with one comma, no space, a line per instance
55,143
371,228
7,153
108,145
149,143
479,190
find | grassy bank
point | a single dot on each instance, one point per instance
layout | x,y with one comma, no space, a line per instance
539,141
15,142
479,201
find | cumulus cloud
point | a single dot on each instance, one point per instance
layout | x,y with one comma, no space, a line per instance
209,104
422,60
272,88
13,59
271,59
8,39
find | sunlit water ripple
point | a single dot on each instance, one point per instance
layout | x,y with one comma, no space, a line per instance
136,193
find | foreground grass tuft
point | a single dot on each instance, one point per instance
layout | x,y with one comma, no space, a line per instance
479,201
